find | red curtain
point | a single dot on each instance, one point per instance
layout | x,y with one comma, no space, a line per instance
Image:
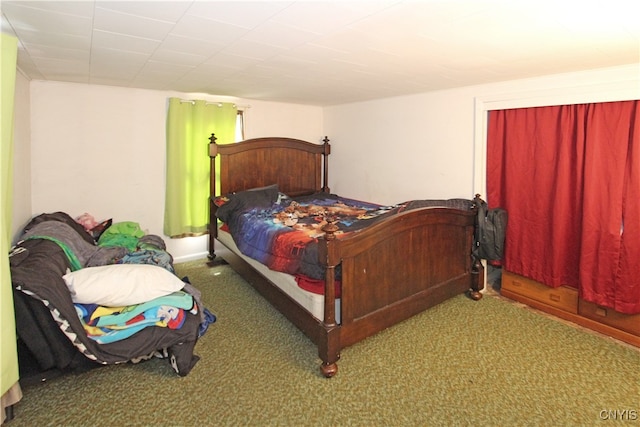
568,177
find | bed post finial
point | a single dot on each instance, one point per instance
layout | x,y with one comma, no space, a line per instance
325,154
330,229
213,148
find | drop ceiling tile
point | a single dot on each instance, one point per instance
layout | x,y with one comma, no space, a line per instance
50,67
199,82
207,75
247,79
279,35
205,29
191,45
117,63
55,39
132,25
39,51
157,68
289,63
603,18
170,11
175,57
72,7
320,17
316,52
68,76
38,20
244,14
347,42
229,61
266,72
254,50
117,41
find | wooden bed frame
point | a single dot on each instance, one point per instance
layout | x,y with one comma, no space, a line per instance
391,271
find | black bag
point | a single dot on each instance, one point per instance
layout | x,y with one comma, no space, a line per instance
491,227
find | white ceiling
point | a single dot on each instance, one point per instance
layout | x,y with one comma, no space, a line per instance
317,52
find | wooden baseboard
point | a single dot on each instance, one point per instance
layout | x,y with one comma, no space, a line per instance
536,295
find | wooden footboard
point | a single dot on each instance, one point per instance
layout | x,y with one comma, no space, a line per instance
396,269
390,271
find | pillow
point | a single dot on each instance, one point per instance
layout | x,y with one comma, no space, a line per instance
261,197
257,195
118,285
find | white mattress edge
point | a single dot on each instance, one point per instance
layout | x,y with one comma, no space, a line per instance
311,302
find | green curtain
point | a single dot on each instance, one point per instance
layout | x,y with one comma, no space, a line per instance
189,126
9,352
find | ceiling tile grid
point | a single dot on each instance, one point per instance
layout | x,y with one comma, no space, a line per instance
318,52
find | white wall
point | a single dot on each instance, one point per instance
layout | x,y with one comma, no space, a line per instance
21,158
431,145
396,149
101,150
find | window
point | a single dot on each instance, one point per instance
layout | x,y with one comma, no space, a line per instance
240,126
189,125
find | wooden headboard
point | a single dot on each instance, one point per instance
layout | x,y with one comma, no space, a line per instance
298,167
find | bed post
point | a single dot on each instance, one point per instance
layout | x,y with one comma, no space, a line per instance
477,280
477,268
325,155
213,220
329,348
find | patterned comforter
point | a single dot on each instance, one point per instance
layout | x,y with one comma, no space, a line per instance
283,233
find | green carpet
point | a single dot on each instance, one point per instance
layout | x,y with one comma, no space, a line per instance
462,362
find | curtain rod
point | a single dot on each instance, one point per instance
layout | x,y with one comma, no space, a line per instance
219,104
